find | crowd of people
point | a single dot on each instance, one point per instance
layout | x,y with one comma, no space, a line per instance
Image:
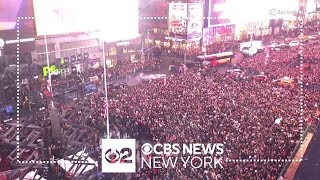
4,152
217,47
238,112
286,63
128,69
192,53
241,113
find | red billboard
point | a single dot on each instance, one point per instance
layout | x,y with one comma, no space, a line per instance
216,12
178,14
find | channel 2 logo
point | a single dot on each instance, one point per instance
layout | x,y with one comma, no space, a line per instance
118,155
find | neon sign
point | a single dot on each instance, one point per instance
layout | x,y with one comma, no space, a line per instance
52,69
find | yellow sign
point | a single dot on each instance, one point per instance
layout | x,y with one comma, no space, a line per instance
53,70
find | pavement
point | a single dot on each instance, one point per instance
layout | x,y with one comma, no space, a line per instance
136,79
166,61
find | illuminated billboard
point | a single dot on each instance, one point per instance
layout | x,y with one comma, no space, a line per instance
223,12
178,14
207,36
217,9
9,13
195,20
115,19
311,6
52,69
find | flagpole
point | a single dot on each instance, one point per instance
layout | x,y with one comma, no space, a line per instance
106,113
48,66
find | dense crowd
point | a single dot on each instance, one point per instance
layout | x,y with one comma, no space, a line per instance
238,113
4,152
187,108
192,53
286,63
218,47
124,70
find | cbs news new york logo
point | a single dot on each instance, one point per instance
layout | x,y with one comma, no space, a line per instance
118,155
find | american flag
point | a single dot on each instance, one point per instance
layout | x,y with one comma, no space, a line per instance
105,107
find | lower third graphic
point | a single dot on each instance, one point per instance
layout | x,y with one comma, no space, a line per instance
118,155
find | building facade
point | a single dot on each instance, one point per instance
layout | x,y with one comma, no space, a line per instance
81,51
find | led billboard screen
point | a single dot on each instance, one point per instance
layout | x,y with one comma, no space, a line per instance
238,12
217,14
115,19
178,14
195,20
9,13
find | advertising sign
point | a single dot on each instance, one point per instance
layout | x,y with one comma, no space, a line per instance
178,13
110,18
195,20
205,37
52,69
217,10
211,38
94,64
73,58
79,57
66,61
8,13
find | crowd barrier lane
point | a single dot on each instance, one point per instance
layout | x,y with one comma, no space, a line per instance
296,149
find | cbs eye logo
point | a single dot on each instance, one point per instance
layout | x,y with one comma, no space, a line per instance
118,156
115,156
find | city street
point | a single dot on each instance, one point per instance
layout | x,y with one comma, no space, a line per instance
84,84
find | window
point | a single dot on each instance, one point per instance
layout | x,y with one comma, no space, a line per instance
68,53
42,48
79,44
89,49
43,57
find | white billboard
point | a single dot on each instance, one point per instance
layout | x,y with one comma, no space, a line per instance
178,13
116,19
195,20
244,11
